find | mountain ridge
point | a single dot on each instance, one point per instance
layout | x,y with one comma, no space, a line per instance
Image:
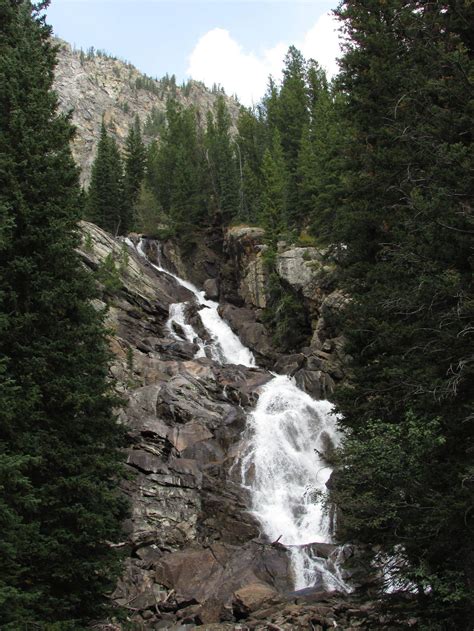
95,85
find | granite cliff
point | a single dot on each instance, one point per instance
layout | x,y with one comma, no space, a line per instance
95,85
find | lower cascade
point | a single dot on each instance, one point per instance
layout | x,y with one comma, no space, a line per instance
289,439
285,471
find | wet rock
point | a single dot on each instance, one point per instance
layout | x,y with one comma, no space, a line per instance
252,333
289,364
211,288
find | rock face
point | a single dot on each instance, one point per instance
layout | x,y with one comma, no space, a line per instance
98,85
191,540
195,556
309,272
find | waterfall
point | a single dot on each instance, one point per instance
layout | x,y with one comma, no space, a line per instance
226,348
285,470
290,436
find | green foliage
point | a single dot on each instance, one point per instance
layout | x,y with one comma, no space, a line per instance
105,201
59,440
286,316
221,161
404,216
274,191
135,157
155,122
177,177
111,269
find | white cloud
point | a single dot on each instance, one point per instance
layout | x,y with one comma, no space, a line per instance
219,58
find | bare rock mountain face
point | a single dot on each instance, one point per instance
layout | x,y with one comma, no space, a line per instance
96,85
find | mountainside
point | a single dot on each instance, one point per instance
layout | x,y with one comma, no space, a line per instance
95,85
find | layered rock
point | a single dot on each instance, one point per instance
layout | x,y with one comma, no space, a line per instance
195,555
191,540
310,274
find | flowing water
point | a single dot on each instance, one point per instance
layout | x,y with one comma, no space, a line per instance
226,348
290,437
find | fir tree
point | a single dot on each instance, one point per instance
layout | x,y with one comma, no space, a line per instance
405,218
274,201
251,143
106,203
292,121
58,436
222,161
135,157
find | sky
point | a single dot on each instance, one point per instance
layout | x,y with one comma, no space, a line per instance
236,44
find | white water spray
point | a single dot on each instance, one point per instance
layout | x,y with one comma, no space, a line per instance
285,470
226,347
285,466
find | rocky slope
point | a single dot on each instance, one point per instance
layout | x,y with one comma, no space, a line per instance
97,85
239,277
194,555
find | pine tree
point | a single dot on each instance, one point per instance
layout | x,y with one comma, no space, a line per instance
222,161
106,202
176,174
251,143
292,121
406,482
135,157
274,201
58,436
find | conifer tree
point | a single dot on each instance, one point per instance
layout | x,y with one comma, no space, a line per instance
58,436
177,174
135,157
406,483
274,191
251,143
106,203
222,161
292,120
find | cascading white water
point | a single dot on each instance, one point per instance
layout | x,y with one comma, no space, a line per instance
226,347
284,466
285,471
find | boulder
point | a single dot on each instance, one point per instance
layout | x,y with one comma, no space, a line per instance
211,288
250,597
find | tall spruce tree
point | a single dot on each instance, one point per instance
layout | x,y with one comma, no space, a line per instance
135,158
292,121
274,194
58,437
177,174
222,161
406,219
105,200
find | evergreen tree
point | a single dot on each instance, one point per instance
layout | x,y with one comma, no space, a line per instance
58,436
135,157
274,177
405,217
222,161
292,121
106,204
251,143
177,174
